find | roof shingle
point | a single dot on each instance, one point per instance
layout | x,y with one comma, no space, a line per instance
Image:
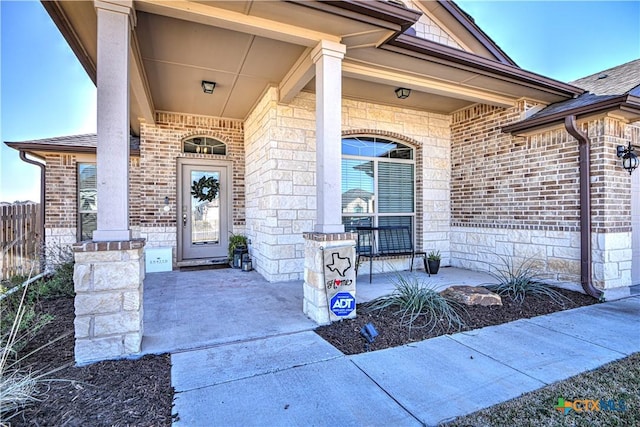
77,143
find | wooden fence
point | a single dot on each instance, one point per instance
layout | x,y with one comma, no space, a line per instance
20,234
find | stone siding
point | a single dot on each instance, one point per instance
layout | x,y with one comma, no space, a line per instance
280,181
108,282
281,203
429,28
315,302
556,253
612,256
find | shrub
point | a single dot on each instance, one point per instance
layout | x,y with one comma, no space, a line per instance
520,281
58,285
18,313
235,241
414,300
19,319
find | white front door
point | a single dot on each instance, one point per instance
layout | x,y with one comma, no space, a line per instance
635,225
203,225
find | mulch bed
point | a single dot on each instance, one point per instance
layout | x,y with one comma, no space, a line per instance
139,392
345,334
112,393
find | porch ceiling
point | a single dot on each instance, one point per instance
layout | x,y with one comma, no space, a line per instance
246,46
178,55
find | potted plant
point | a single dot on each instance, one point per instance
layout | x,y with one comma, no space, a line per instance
236,241
433,261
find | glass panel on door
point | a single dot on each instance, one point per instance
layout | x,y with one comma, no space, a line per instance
205,215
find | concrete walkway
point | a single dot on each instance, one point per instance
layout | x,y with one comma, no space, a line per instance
298,379
193,309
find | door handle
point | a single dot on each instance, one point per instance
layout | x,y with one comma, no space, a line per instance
184,220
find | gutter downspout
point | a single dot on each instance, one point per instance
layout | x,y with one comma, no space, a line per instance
23,157
585,207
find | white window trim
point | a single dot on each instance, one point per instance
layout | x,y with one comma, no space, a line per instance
375,215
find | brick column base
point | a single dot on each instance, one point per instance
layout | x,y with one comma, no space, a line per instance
315,304
108,279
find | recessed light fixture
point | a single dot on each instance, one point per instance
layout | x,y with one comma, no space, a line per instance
208,87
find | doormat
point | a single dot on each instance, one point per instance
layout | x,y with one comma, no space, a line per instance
206,267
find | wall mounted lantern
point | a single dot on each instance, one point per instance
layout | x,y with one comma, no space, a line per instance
629,158
403,92
208,87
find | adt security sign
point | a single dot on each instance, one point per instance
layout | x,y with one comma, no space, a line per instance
342,304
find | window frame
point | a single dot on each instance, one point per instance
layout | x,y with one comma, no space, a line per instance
209,144
80,210
375,215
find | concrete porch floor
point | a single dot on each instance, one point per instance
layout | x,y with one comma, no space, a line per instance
185,310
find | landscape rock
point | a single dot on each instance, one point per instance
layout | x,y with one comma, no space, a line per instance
472,295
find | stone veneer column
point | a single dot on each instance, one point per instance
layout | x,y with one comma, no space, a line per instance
327,57
314,303
115,20
108,278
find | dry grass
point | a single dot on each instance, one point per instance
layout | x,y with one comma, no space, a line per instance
19,324
617,381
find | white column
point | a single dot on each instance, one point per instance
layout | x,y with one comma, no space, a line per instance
327,57
115,20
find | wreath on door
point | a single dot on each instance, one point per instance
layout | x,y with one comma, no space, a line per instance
205,189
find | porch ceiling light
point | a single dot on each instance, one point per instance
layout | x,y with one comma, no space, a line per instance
403,92
208,87
629,158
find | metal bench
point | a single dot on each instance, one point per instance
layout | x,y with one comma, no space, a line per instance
386,242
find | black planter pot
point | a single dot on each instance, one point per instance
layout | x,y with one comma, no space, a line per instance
434,266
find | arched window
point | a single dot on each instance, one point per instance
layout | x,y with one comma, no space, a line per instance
378,182
203,145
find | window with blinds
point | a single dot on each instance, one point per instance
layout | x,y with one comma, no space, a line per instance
87,200
378,183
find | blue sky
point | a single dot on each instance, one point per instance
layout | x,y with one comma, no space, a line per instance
45,92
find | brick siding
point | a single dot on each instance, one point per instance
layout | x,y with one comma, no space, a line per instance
518,196
61,198
161,145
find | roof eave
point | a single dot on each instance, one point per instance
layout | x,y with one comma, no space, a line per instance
623,102
385,11
59,18
477,32
32,148
405,44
